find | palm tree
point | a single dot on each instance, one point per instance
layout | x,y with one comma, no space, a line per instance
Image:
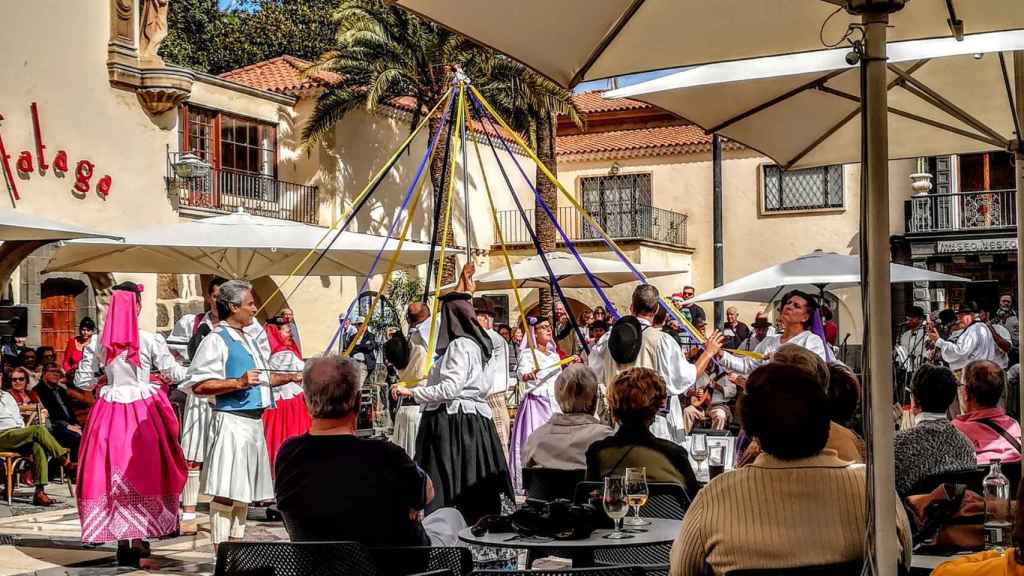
387,56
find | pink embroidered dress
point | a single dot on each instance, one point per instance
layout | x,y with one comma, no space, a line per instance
131,469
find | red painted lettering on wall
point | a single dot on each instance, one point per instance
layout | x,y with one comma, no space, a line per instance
27,163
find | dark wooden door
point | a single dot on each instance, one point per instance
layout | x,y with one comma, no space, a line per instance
57,321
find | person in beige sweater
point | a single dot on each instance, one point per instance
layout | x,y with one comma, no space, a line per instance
796,505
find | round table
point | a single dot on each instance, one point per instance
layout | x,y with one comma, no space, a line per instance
659,531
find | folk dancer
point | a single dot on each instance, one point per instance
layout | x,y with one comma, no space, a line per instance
132,467
974,342
633,342
538,368
457,444
797,318
234,368
288,416
184,340
407,353
497,372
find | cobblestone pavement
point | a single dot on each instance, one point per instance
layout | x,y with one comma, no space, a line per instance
46,541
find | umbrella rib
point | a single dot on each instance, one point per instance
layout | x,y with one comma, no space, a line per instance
218,264
252,256
90,258
1009,94
922,119
606,40
777,100
945,105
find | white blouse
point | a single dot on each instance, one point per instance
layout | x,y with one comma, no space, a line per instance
287,361
211,359
456,380
497,367
126,383
770,345
550,368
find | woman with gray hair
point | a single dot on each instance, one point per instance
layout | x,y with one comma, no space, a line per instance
233,367
562,442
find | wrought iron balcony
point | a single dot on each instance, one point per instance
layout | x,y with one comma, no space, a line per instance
964,211
224,190
639,222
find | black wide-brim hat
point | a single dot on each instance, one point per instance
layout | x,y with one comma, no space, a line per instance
625,339
761,323
967,308
397,350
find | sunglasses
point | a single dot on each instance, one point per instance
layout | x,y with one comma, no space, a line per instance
19,379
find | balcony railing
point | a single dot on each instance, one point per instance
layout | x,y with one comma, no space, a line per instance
224,190
962,211
640,222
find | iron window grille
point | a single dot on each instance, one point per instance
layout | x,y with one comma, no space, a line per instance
807,189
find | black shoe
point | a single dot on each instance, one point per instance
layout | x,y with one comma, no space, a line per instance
128,556
273,514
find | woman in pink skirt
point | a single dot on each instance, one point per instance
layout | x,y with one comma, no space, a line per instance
538,367
131,469
289,416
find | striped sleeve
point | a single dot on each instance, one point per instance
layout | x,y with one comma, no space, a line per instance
688,554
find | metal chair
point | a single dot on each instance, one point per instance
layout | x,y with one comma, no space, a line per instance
550,483
603,571
422,559
664,500
294,559
843,569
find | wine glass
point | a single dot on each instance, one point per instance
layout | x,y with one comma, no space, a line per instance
615,505
699,450
636,495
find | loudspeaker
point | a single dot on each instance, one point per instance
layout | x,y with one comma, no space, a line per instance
13,321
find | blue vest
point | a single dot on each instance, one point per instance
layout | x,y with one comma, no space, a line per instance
239,362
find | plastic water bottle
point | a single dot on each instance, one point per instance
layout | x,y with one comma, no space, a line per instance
998,520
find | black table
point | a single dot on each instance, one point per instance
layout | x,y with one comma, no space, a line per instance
659,531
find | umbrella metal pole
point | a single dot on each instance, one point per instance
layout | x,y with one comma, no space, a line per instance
1018,78
716,177
878,304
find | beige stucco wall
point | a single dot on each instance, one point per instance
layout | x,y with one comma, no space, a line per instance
752,240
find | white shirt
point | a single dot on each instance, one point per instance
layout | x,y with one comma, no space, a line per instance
547,372
912,342
496,371
183,331
678,373
125,382
974,343
211,358
456,380
286,361
770,345
10,414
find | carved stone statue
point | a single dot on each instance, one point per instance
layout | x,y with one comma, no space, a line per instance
154,30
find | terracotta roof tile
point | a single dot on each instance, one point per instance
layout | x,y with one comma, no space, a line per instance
284,74
639,142
591,102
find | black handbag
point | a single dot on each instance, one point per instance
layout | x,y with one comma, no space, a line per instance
559,519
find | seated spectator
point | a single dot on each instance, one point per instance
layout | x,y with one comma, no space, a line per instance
44,355
710,399
933,446
994,434
27,360
992,562
31,440
846,444
16,384
562,442
808,505
844,396
634,398
63,424
76,345
332,485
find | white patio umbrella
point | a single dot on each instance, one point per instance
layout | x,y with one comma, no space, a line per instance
238,245
617,37
812,273
17,225
531,273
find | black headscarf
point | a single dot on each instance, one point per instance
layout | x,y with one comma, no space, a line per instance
458,320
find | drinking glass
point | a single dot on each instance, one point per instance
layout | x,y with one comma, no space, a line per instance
615,505
699,451
636,495
716,462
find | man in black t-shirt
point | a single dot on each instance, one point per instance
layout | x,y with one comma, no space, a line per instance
332,485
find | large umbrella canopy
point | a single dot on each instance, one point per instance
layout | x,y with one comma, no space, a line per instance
16,225
812,273
945,97
570,41
531,273
235,246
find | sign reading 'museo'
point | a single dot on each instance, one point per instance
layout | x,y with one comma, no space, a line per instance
976,245
27,164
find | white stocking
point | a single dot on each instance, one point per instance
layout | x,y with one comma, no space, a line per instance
220,522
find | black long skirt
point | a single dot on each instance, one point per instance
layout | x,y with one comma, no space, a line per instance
462,455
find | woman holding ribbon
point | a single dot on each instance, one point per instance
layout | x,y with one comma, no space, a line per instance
131,469
457,443
801,325
288,417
